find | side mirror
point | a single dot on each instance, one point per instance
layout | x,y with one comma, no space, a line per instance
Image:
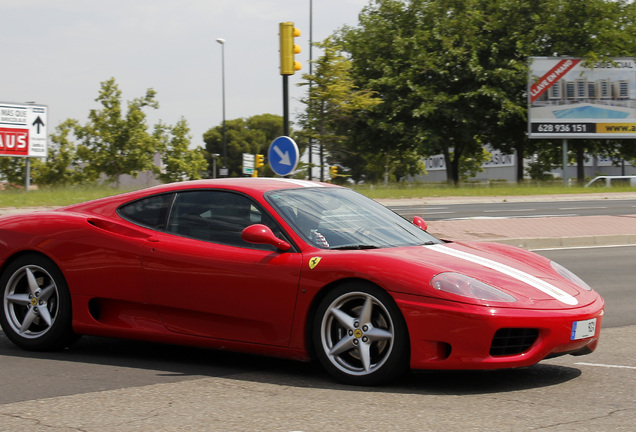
262,234
419,222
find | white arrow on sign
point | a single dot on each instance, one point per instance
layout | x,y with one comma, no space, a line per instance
284,157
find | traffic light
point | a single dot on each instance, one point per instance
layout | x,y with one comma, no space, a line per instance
288,49
333,171
259,161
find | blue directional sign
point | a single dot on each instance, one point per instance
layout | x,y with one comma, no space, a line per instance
283,155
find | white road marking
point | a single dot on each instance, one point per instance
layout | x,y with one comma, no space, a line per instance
509,210
584,247
580,208
514,217
606,365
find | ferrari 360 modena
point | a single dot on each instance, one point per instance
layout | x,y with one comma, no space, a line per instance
286,268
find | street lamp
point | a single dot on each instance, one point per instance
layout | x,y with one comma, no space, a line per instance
223,172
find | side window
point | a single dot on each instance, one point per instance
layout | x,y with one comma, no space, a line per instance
216,216
150,212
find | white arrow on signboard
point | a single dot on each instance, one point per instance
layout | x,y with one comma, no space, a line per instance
284,157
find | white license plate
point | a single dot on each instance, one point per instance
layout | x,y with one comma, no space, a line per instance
583,329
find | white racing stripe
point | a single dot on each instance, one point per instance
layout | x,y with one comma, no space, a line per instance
524,277
303,183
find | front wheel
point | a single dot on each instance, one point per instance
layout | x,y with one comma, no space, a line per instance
36,304
360,336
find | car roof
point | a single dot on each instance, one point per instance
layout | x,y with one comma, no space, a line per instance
245,184
254,186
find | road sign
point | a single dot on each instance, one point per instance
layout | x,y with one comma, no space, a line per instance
248,163
283,155
23,130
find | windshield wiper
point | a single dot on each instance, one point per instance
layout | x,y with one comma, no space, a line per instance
355,247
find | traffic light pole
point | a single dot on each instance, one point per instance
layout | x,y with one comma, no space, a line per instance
285,105
288,65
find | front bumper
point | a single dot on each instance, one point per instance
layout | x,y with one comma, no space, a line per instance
449,335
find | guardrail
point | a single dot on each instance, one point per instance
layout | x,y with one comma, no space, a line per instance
608,180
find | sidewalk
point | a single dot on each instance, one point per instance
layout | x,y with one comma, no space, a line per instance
534,233
538,233
528,233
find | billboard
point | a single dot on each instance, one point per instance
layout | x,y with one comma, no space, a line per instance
568,100
497,159
23,130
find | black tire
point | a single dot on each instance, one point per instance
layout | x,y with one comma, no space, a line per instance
36,304
360,336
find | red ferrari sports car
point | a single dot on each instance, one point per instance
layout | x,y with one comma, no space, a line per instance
286,268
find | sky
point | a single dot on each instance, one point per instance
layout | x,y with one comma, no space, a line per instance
57,53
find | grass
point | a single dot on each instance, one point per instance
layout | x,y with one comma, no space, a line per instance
72,195
54,197
480,190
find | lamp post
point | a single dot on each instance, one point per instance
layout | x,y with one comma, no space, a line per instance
223,170
311,83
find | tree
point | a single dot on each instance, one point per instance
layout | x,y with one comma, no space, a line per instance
179,161
418,56
113,142
594,30
61,166
452,74
12,170
332,102
252,135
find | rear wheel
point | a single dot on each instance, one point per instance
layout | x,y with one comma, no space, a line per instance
36,304
360,336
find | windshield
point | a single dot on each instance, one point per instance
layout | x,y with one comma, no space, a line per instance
335,218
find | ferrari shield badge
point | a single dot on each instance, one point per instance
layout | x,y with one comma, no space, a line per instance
314,262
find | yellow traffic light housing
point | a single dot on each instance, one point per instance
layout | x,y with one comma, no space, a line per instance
333,171
288,49
259,161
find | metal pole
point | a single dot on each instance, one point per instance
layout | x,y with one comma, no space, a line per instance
214,156
285,106
222,42
311,140
27,176
565,162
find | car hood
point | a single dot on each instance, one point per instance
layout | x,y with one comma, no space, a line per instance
525,275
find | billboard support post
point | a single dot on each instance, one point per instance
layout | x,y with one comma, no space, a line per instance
27,174
565,162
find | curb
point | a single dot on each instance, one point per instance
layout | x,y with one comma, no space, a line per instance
568,242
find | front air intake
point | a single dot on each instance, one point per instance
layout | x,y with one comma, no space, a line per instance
512,341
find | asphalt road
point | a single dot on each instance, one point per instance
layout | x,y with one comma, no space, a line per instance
121,386
610,271
515,209
116,385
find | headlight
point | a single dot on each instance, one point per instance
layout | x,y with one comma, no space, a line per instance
567,274
465,286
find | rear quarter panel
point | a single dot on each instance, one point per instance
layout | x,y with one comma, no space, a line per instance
96,262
